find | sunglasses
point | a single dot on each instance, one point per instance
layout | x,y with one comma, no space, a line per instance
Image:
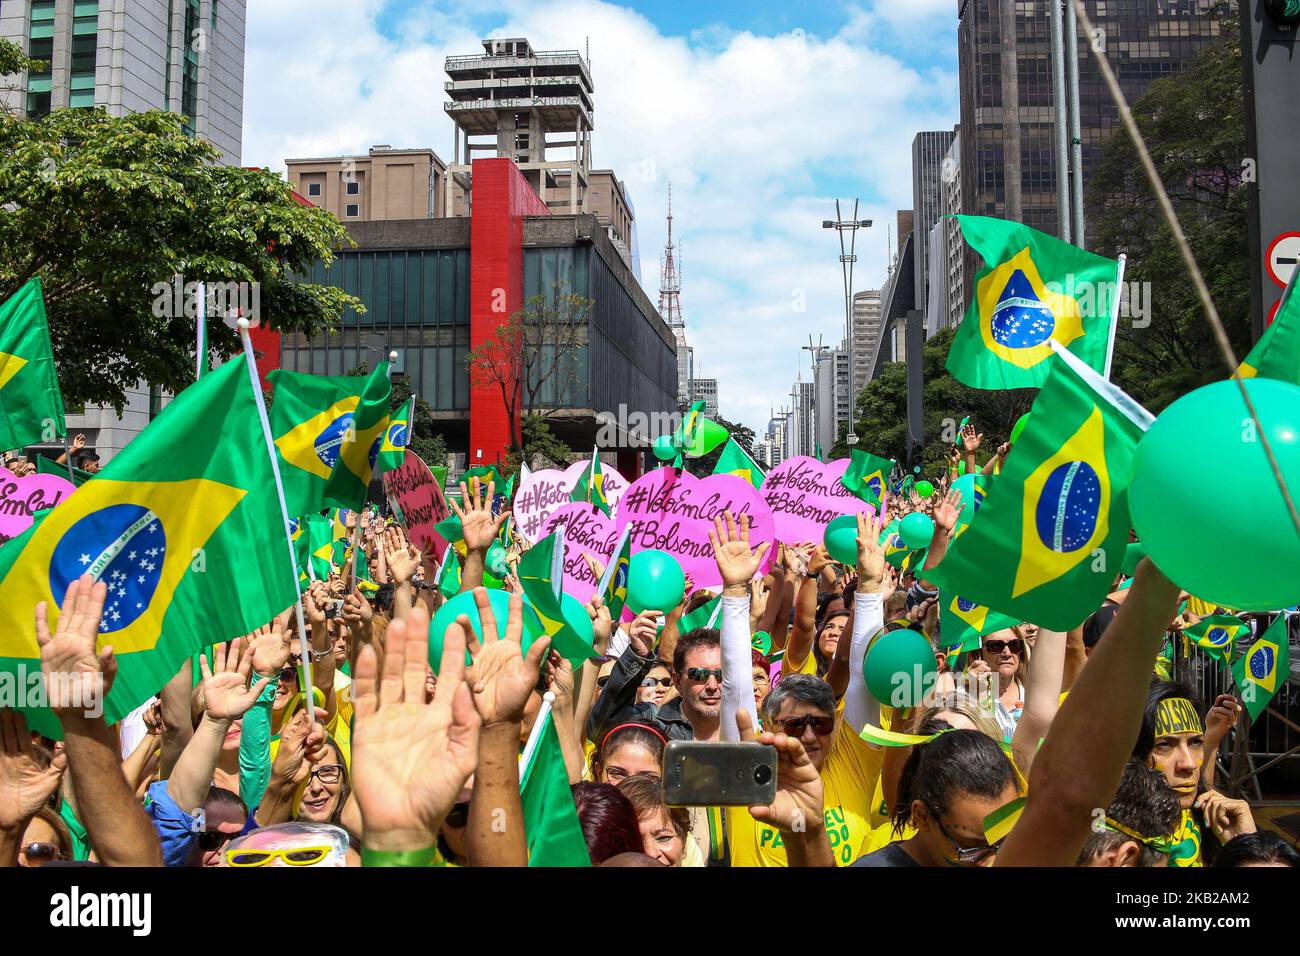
996,647
966,855
298,856
330,774
821,726
458,816
42,852
656,682
214,839
702,674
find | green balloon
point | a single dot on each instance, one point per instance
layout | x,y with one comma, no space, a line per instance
916,530
664,448
655,581
463,603
495,561
924,489
579,621
842,539
972,496
762,642
1186,534
1018,427
899,667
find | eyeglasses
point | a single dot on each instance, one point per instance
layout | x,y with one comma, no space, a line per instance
966,855
821,726
656,682
996,647
458,816
330,774
702,674
42,852
298,856
214,839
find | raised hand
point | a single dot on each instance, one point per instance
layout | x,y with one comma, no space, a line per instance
402,559
643,632
315,600
1221,718
478,525
226,694
969,439
871,553
947,511
601,625
798,807
302,743
558,674
356,612
411,756
268,646
736,562
502,676
78,443
76,676
24,785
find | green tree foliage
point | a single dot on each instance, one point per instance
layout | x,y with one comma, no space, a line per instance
540,448
1194,128
107,210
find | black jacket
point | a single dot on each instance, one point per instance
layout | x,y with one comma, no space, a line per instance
617,703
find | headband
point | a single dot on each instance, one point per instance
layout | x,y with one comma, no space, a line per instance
604,740
1176,715
1161,844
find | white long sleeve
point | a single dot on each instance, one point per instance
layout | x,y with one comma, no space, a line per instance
737,666
860,707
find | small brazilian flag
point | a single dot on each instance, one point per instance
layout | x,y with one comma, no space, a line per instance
1033,290
31,405
1264,668
734,460
541,573
551,823
866,476
590,486
613,586
1050,536
449,574
328,430
962,622
312,541
706,615
1277,353
1217,635
397,436
183,526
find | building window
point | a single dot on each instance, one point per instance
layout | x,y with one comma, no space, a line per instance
313,189
354,188
353,210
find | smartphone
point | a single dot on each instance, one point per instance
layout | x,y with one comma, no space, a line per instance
333,609
698,773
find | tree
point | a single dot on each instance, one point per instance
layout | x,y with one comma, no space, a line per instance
1193,125
539,447
108,210
535,359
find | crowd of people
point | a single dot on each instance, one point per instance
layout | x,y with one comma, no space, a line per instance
1038,748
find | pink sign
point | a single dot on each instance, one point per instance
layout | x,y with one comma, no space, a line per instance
673,511
805,494
542,492
585,529
21,498
415,491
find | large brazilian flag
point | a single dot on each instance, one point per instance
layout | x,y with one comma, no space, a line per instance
1050,537
329,430
1033,290
185,528
31,405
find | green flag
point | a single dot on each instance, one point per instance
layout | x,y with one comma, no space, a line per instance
1217,635
328,430
866,476
449,574
1033,289
48,466
613,586
590,486
313,545
31,405
734,460
962,622
551,823
184,526
1277,353
397,436
1049,539
540,573
706,615
1264,668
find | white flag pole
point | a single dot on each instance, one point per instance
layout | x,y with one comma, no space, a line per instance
201,333
1114,318
304,664
535,735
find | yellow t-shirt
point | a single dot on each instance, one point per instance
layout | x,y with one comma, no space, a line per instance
884,834
849,776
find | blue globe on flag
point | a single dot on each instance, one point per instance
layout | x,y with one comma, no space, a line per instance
1020,320
124,546
330,441
1069,507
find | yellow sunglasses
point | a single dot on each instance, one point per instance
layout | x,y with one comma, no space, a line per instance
298,856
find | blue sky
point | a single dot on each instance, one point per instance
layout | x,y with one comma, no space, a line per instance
760,114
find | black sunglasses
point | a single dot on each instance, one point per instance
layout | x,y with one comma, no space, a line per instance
653,681
1015,646
214,839
702,674
821,726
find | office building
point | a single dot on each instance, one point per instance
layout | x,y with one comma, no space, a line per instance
833,408
384,183
928,150
706,390
801,425
953,306
866,333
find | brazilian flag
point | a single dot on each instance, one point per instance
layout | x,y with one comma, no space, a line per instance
613,586
48,466
31,405
397,436
183,526
1277,353
551,822
1264,668
449,574
866,476
541,574
312,544
734,460
1217,635
706,615
1033,290
962,622
328,430
1050,536
590,486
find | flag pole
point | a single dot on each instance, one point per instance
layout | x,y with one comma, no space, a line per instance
309,699
535,735
201,333
1114,319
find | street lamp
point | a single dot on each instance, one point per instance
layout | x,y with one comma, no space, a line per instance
847,258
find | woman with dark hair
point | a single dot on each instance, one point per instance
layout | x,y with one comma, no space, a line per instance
947,788
608,819
1257,849
626,750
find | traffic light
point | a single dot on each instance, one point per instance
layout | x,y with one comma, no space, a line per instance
1285,13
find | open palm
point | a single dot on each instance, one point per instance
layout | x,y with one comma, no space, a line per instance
226,694
503,677
24,785
76,675
730,541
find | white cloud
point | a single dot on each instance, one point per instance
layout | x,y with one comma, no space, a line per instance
756,133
